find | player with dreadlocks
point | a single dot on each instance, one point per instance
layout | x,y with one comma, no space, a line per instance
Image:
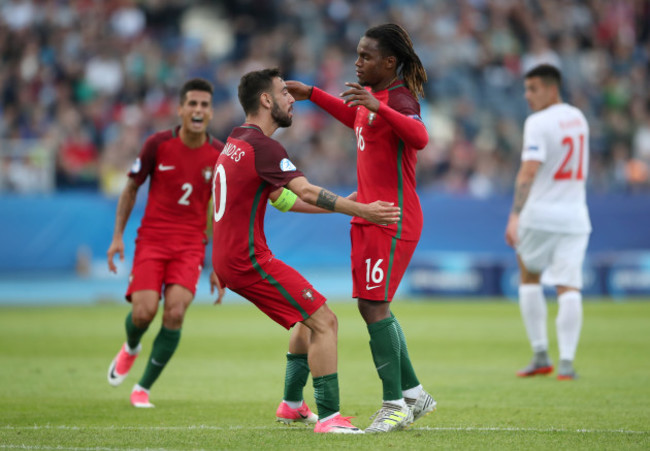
383,110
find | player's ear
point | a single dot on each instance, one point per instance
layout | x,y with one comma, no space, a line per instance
265,100
390,62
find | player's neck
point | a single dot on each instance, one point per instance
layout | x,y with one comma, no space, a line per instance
267,125
384,84
555,101
192,140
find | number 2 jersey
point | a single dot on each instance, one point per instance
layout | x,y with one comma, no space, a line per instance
250,167
179,189
558,137
387,145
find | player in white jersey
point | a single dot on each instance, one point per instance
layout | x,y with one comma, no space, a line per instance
549,223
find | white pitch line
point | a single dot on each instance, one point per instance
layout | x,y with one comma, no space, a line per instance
298,427
512,429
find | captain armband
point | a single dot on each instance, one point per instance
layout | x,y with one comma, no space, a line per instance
285,201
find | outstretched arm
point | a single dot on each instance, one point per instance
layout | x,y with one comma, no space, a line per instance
523,183
285,200
379,212
124,208
410,130
329,103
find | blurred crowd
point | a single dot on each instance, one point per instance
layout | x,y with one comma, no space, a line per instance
84,82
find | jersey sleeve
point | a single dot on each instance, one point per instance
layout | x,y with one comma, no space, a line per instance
534,144
403,114
146,161
274,166
334,106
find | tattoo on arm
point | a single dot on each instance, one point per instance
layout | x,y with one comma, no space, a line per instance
326,199
522,190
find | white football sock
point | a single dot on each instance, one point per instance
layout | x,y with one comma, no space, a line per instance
533,311
323,420
569,323
397,402
293,404
412,392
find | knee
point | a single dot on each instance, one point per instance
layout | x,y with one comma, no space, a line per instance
142,315
325,320
173,316
373,311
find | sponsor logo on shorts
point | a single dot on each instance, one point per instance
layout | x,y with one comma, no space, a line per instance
162,167
371,287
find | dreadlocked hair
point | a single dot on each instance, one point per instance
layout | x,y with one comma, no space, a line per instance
393,40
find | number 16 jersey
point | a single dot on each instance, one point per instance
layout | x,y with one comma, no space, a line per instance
558,137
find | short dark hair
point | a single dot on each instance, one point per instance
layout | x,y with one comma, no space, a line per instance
195,84
252,85
548,73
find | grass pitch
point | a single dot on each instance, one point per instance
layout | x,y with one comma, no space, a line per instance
221,388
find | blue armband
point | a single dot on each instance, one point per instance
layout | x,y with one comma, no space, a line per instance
285,201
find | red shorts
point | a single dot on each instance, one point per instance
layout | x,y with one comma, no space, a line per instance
162,263
284,295
378,262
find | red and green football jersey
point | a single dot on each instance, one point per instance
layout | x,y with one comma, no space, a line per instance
387,145
179,188
250,167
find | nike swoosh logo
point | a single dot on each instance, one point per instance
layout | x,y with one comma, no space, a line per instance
368,287
157,363
162,167
381,366
302,415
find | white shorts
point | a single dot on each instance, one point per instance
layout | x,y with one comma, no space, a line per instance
557,256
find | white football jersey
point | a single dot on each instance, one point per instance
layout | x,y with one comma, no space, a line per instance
558,137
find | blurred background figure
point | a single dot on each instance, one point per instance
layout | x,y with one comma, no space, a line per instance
83,83
100,58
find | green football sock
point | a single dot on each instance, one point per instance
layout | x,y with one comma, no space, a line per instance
133,332
296,376
163,348
326,393
385,347
409,379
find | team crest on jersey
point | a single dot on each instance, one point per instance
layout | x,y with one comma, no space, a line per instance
207,174
308,294
136,166
371,118
286,165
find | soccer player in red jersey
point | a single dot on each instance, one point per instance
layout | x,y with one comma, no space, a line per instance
170,245
252,169
383,111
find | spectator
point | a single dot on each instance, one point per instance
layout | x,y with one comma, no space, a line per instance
99,58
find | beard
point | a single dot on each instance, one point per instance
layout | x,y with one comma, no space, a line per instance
280,118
